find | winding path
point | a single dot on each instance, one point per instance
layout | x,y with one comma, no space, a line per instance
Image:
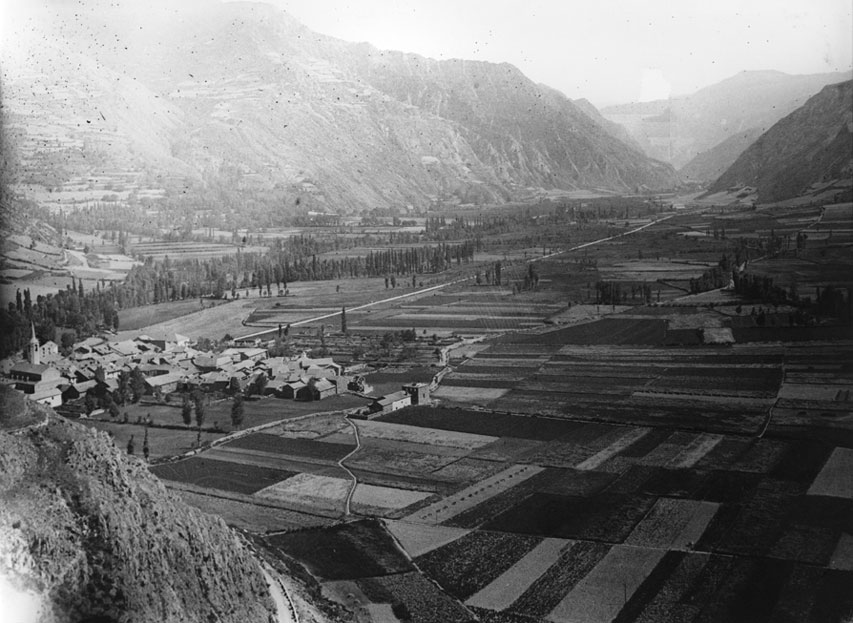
351,491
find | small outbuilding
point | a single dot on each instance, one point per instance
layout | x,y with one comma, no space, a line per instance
390,402
419,393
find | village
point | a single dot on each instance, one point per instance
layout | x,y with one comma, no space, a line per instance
101,379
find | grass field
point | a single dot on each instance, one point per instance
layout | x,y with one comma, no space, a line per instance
600,596
346,551
213,474
836,477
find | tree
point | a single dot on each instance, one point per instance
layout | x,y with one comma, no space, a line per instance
130,446
137,384
145,449
123,386
113,409
67,341
258,385
187,410
198,400
237,411
343,319
90,403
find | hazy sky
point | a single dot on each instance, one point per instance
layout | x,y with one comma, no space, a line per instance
609,51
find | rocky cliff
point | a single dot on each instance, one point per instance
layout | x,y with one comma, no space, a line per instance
813,144
88,534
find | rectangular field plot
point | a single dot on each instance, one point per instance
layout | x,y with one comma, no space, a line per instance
606,517
506,449
474,561
470,394
324,492
600,596
418,539
673,524
424,601
303,448
346,551
382,458
836,477
479,423
814,529
420,434
371,499
549,589
213,474
663,599
511,584
842,557
695,451
252,517
613,449
473,495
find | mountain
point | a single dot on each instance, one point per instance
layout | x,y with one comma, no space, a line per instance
89,534
709,165
678,129
242,97
813,144
614,129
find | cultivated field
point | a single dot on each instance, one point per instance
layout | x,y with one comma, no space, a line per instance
585,462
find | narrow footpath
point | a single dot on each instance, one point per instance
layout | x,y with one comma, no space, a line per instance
351,491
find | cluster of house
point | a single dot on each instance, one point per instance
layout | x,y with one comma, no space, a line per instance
168,363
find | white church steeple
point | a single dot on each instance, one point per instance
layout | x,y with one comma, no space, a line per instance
33,351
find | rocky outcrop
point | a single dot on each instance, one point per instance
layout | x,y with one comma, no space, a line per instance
88,534
814,144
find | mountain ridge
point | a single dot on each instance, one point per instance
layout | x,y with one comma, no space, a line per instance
678,129
250,99
813,144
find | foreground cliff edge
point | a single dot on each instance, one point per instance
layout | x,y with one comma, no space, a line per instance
88,534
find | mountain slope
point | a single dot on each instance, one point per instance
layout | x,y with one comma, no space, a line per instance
813,144
709,165
678,129
614,129
243,97
88,534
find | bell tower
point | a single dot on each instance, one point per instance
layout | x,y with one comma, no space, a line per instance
33,352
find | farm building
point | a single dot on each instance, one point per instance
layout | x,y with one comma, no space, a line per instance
274,387
72,391
419,392
165,340
242,354
288,390
391,402
213,381
319,389
166,383
208,362
49,351
51,396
